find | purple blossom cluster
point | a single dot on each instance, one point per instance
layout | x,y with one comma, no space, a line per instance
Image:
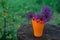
38,17
30,15
46,14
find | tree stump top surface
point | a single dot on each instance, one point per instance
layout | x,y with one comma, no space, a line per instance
51,32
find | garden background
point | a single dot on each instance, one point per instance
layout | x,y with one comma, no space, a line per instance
12,15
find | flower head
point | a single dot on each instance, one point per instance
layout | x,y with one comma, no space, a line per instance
38,17
30,15
47,13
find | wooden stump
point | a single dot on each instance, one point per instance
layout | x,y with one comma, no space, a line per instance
51,32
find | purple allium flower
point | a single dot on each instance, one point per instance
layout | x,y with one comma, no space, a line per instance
38,17
30,15
47,13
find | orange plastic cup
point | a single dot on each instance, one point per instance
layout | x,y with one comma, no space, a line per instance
38,27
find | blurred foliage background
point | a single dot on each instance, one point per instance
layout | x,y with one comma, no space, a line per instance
12,14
